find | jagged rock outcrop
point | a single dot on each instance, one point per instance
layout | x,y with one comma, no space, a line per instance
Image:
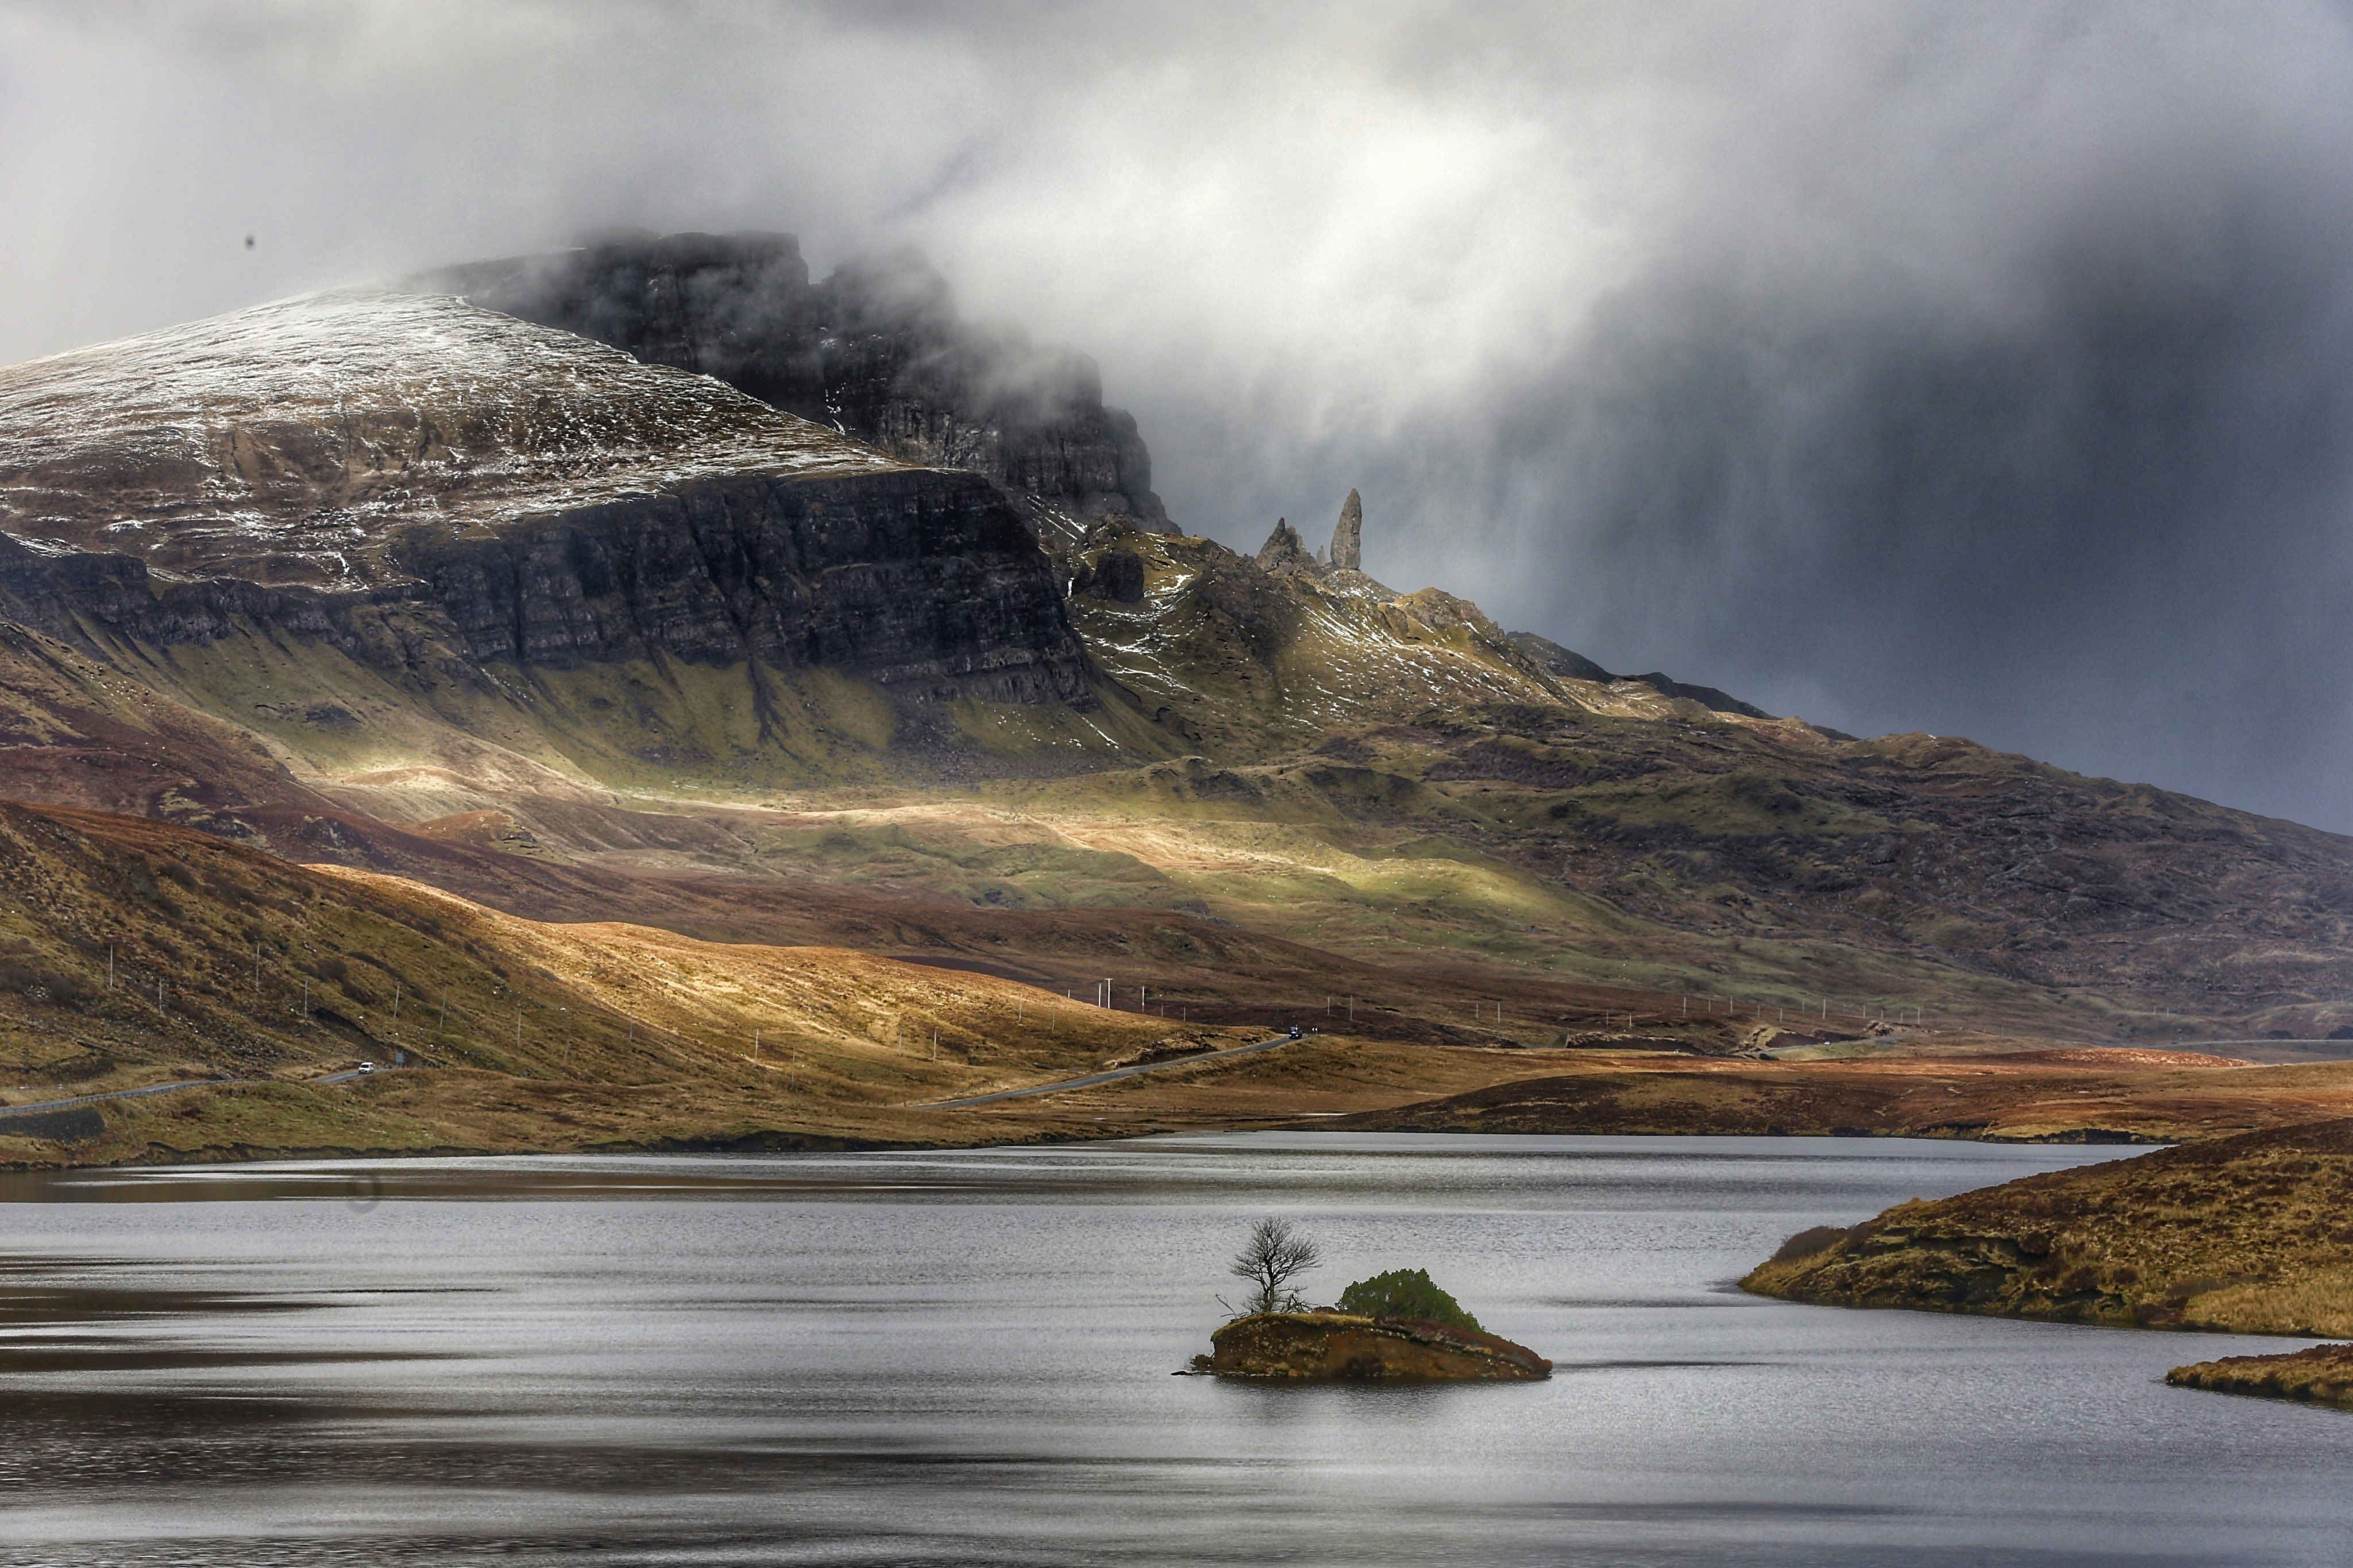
1348,537
876,350
1345,1347
1284,551
1116,574
430,487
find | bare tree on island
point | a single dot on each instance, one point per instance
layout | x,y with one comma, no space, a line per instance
1274,1256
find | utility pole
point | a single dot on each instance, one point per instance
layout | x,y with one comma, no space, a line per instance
395,999
443,1026
110,967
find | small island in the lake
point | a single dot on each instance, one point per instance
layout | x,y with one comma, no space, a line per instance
1395,1327
1347,1347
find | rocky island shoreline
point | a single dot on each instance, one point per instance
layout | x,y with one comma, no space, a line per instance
1349,1347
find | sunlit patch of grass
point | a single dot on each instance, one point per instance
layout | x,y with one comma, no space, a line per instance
2246,1235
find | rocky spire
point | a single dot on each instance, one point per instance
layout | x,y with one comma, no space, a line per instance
1348,539
1284,550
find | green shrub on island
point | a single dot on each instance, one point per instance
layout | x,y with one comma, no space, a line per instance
1407,1293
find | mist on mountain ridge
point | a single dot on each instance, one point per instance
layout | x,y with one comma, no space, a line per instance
1980,371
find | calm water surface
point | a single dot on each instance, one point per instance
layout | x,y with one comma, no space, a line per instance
966,1358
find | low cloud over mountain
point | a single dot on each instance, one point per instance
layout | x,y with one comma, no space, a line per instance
1966,369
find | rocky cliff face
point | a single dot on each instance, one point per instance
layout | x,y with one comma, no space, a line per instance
875,351
422,483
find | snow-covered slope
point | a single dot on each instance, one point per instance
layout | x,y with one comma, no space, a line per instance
299,442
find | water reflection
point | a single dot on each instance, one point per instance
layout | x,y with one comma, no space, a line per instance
958,1358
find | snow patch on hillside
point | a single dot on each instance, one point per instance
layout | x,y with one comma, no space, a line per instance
286,442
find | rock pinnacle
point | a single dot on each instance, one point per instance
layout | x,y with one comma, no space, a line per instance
1284,550
1348,539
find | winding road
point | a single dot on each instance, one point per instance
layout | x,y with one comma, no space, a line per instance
40,1105
1092,1078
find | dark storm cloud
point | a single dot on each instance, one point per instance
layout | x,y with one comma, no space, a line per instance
2114,532
1982,369
2077,479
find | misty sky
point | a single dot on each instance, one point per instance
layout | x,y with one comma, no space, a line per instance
1979,369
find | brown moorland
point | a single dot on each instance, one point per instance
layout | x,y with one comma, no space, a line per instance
1967,1089
229,963
2322,1375
2246,1234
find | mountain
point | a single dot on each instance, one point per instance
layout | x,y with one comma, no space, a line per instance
396,581
876,350
395,524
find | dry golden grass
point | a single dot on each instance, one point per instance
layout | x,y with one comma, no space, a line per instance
2247,1233
842,1025
2321,1375
554,1034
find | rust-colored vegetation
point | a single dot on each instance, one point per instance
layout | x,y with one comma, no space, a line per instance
2246,1234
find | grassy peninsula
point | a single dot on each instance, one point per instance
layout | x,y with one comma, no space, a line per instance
2250,1234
